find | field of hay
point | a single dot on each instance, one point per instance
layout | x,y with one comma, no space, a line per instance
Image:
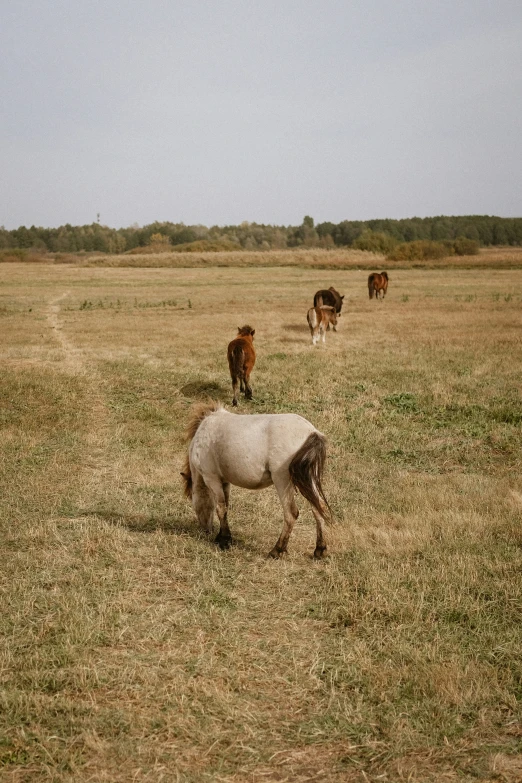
134,650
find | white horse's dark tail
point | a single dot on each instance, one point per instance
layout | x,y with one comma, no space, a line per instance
306,471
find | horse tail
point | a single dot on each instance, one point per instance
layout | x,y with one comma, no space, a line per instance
306,471
186,474
236,360
370,286
311,317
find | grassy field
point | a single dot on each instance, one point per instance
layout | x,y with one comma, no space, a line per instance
133,650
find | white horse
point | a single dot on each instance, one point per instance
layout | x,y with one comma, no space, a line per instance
254,451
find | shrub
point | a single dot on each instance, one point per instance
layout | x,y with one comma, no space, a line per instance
466,247
207,246
160,240
199,246
419,250
12,255
375,242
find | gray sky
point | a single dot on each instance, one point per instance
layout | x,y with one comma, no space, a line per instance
220,111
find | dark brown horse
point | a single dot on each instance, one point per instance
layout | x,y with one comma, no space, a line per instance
378,284
329,297
241,359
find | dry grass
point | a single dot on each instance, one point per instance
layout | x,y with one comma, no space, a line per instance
133,650
336,259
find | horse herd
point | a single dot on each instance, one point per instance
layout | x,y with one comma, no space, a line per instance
257,450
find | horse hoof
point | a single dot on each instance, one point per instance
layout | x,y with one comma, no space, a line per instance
320,552
234,403
276,553
223,542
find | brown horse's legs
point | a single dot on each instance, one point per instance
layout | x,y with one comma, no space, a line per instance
234,388
286,493
221,493
241,385
320,546
248,388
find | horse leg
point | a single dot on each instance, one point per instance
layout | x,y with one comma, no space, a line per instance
320,546
248,388
221,492
285,490
241,385
203,503
322,331
234,388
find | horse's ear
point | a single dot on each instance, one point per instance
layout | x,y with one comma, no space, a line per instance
185,475
342,297
253,332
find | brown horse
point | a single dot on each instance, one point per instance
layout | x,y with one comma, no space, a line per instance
319,319
331,297
377,284
241,359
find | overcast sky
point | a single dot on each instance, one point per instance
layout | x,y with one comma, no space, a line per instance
219,111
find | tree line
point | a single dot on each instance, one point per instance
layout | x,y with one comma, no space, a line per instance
377,235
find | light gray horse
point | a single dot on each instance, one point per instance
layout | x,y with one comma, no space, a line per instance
254,451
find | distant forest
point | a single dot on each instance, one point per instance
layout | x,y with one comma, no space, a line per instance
364,234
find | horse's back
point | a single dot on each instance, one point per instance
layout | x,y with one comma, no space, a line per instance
247,450
241,350
324,297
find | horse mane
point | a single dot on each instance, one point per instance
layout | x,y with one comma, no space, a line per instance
198,412
245,331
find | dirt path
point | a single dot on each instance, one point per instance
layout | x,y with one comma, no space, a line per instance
100,432
72,357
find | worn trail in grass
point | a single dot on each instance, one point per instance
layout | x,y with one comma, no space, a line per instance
133,650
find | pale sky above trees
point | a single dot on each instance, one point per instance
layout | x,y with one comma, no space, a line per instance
219,111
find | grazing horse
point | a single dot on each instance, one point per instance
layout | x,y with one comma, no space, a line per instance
378,284
241,359
319,319
254,451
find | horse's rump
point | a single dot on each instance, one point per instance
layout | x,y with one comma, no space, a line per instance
312,318
236,358
377,282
